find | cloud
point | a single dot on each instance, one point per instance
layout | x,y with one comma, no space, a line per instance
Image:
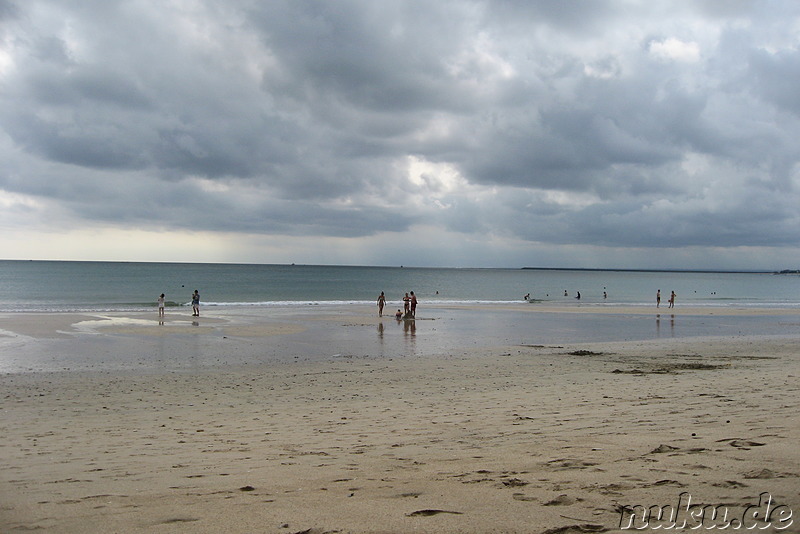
509,125
675,49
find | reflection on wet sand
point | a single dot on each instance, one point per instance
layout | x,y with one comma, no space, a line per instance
671,325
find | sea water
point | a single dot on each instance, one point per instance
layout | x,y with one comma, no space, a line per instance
31,286
329,302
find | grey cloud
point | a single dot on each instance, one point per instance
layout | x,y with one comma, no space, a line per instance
194,210
8,10
562,16
569,147
776,77
302,116
375,56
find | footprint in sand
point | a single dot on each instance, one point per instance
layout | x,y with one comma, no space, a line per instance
734,484
562,500
429,512
576,529
745,444
514,482
665,482
663,449
568,463
766,474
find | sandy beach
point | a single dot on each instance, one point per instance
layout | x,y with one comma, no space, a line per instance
538,438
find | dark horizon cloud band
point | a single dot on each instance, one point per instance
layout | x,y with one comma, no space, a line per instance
606,133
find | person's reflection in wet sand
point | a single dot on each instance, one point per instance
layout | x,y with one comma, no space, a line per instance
409,334
410,327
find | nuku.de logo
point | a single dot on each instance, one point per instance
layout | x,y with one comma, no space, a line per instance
685,515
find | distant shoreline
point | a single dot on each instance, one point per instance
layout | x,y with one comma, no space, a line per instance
582,269
654,270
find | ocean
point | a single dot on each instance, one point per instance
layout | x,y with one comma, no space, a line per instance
335,308
74,286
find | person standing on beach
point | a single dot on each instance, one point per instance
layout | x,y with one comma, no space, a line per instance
672,296
413,305
381,304
196,304
406,304
658,298
161,305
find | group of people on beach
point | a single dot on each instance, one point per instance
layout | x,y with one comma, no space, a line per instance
671,300
195,298
409,303
409,306
527,297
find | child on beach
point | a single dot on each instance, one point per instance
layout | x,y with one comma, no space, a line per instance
161,305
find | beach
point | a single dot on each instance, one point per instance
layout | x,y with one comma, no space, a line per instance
491,437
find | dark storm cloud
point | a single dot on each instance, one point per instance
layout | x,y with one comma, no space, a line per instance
620,124
383,57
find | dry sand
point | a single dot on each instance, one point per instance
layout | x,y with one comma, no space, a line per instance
536,439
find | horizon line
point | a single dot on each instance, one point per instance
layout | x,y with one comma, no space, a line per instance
526,268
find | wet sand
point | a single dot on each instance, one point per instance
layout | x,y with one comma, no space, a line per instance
515,438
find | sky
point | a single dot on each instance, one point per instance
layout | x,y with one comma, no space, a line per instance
594,134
